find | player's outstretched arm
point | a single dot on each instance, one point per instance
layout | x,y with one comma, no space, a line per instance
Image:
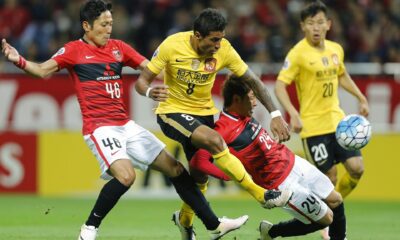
283,97
39,70
278,126
350,86
143,86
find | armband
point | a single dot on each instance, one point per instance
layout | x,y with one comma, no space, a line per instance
21,62
275,114
148,91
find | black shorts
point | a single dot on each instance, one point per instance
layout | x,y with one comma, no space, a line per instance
325,152
180,126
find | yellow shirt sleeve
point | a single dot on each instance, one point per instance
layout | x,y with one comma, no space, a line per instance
290,69
342,67
159,59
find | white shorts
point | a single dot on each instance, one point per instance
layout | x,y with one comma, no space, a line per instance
309,186
130,141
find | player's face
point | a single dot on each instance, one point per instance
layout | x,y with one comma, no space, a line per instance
99,33
247,104
315,28
210,44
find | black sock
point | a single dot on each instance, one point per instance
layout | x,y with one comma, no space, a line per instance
337,230
108,197
191,195
293,227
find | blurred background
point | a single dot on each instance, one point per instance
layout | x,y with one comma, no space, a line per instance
41,148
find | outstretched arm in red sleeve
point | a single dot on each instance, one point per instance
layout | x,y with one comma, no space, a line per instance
202,161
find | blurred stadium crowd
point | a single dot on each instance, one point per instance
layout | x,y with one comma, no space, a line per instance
260,30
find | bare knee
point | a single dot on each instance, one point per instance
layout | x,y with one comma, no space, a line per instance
327,219
334,199
209,139
123,171
357,173
168,165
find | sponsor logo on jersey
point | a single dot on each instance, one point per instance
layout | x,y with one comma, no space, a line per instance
210,64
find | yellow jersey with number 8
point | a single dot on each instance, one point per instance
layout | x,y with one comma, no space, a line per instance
189,76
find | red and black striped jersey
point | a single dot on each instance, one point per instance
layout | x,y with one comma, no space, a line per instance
268,162
96,74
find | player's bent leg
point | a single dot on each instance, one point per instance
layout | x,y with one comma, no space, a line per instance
337,230
108,197
355,169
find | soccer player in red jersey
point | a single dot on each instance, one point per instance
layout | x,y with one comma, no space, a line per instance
314,203
95,64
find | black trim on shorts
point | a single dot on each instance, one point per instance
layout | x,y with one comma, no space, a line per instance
325,152
180,126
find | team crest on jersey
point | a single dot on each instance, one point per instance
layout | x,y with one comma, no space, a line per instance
286,64
59,52
117,55
195,64
335,59
325,61
210,64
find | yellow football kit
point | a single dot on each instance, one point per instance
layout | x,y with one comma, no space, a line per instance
190,77
315,74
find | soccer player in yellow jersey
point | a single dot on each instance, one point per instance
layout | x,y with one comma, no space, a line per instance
316,66
190,61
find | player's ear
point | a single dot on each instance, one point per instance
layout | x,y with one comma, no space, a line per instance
86,26
197,35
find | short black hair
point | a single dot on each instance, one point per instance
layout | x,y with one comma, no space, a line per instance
209,20
92,9
313,9
234,86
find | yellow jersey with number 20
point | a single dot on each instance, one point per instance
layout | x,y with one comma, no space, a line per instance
316,75
190,77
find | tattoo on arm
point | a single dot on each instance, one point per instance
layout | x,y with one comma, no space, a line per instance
259,90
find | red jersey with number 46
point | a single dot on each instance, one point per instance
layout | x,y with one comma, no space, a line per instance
96,73
268,162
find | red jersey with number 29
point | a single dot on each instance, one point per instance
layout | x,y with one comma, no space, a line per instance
268,162
97,76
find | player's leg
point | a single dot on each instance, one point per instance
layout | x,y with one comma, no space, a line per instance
309,211
146,150
354,166
109,148
209,139
190,194
321,186
337,229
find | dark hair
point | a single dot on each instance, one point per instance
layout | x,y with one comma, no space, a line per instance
234,86
313,9
92,9
209,20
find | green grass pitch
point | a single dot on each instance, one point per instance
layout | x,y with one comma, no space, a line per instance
35,218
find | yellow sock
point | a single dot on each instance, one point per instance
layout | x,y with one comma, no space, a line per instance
346,184
232,166
187,214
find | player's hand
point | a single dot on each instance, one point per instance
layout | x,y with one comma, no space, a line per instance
296,124
276,198
364,108
9,52
280,129
159,93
